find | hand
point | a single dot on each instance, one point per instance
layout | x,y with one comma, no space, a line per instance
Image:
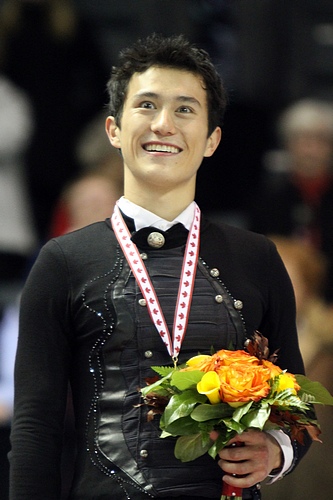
251,462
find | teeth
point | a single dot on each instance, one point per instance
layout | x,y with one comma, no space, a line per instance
162,148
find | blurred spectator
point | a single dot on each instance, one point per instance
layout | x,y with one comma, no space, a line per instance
50,52
90,196
87,199
307,269
18,241
296,195
17,233
95,153
8,340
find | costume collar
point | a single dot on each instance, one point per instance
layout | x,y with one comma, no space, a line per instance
143,218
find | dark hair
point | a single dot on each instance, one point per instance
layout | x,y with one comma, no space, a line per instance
173,52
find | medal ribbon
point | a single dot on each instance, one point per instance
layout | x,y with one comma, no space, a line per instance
186,283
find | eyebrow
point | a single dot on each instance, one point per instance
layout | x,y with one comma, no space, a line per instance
181,98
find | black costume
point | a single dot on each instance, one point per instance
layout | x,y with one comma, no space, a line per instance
83,318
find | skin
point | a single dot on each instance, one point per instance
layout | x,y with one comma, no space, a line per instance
166,108
252,461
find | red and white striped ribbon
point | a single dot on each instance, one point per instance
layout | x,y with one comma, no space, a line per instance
186,284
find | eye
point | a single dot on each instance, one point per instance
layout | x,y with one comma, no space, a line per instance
146,105
184,109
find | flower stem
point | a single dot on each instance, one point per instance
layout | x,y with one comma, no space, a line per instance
228,497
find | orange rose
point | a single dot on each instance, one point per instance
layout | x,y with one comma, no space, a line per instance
227,358
223,357
243,383
274,369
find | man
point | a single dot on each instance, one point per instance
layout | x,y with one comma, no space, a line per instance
296,195
85,316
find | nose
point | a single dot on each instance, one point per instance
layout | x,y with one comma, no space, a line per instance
163,123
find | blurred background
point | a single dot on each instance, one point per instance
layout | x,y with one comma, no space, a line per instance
272,172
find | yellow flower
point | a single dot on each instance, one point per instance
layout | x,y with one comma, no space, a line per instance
197,362
210,385
288,381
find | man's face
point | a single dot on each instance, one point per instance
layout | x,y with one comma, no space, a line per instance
163,130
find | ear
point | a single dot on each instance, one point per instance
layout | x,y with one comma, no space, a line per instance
213,141
113,132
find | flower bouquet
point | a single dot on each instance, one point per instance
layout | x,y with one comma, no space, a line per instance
231,392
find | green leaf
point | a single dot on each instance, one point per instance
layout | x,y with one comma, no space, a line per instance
222,440
275,383
241,411
181,427
181,405
165,434
163,371
186,380
155,386
293,403
205,412
286,394
189,448
313,392
257,418
234,426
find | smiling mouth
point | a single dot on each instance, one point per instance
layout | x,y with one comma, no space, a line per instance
161,148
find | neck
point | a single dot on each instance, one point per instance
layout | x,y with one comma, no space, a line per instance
167,205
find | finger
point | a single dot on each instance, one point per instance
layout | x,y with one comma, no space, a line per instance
235,453
240,482
236,469
214,435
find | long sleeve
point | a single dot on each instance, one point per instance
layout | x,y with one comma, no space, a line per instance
41,377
